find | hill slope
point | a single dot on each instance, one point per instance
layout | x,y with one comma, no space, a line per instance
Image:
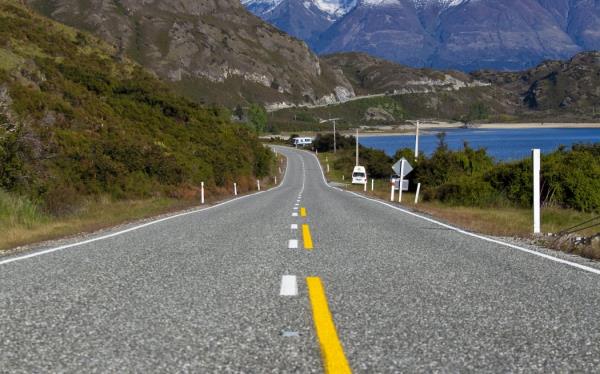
212,51
77,120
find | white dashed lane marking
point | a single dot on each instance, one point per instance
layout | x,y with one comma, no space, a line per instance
293,244
294,226
289,286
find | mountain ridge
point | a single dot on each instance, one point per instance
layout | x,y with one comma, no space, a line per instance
214,51
456,34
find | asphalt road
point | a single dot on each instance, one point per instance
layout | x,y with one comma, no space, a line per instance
202,292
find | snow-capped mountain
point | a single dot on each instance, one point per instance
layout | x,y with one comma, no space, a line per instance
460,34
333,8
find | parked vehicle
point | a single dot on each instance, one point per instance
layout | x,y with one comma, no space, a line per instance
359,175
302,141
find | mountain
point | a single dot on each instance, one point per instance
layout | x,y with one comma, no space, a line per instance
78,122
304,19
565,91
212,51
458,34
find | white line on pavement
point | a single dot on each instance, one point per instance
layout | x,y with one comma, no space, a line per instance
294,226
294,214
293,244
289,286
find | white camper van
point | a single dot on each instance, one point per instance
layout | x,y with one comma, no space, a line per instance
300,142
359,175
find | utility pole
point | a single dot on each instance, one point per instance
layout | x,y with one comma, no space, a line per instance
334,139
417,143
357,147
334,131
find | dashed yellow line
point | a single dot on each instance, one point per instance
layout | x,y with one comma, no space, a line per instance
302,212
334,359
308,243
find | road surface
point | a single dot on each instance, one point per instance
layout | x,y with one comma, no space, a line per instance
368,288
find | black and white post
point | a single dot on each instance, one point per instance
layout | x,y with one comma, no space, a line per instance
536,192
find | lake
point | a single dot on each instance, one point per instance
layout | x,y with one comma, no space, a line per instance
502,144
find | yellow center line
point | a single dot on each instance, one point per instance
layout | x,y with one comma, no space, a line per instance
334,359
303,212
308,243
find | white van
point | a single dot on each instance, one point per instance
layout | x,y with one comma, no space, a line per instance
359,175
302,141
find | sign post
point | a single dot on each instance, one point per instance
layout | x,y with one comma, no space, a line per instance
536,191
401,181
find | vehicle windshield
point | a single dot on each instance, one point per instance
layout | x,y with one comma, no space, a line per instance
358,175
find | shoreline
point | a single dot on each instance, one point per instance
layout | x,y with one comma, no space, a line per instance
428,128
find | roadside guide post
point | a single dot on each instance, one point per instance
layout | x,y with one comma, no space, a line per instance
235,189
258,184
536,191
417,195
392,193
202,193
372,184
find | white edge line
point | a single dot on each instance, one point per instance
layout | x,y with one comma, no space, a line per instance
461,231
77,244
289,286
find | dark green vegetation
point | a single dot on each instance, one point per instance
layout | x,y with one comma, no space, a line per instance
470,177
77,120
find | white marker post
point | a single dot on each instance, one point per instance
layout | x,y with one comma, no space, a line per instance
258,184
202,192
536,191
372,184
417,195
392,193
327,168
365,186
401,182
235,189
276,180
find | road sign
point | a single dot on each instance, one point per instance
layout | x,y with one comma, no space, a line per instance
397,167
404,185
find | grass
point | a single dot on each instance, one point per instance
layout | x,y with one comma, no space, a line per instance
22,222
499,221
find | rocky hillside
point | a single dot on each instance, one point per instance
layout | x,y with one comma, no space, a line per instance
465,35
561,87
212,51
78,122
370,75
554,91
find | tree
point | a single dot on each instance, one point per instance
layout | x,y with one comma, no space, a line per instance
257,116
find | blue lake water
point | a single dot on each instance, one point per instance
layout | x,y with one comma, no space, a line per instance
502,144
